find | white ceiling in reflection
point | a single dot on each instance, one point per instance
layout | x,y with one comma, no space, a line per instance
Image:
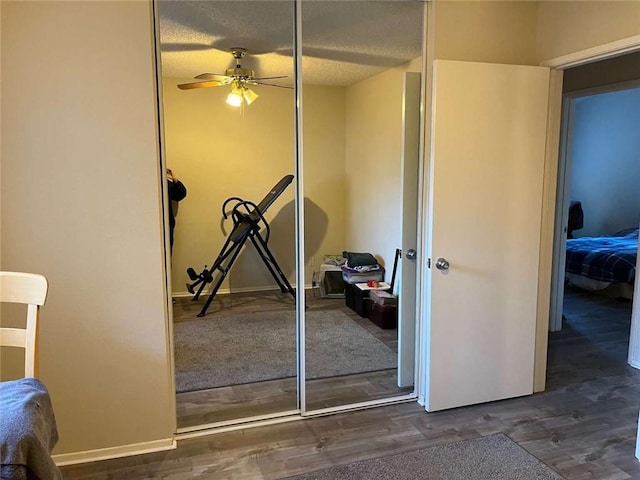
343,41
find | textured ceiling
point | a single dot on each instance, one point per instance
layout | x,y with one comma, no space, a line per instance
343,41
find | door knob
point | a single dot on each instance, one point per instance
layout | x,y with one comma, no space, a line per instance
411,254
442,264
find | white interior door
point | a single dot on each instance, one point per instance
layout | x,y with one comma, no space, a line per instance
487,164
409,221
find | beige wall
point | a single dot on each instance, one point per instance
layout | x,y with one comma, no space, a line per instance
374,164
523,32
81,205
219,152
571,26
324,173
485,31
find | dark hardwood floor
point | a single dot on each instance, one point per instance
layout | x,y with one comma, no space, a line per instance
584,424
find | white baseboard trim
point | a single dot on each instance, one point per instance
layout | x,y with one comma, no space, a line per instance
114,452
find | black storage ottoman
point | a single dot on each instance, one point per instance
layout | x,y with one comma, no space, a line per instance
356,299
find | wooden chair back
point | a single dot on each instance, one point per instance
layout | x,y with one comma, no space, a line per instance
28,289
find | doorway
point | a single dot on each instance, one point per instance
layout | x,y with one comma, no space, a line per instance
594,165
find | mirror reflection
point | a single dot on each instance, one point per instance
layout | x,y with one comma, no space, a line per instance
228,106
354,102
229,138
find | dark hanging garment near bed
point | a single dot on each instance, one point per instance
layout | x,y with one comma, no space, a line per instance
576,218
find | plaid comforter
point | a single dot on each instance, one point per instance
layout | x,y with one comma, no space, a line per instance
608,259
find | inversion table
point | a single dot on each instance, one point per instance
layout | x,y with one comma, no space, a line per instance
247,220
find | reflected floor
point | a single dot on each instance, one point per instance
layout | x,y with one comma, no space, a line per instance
274,396
265,398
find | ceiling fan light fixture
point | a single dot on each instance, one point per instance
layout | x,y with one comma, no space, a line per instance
249,95
235,97
237,77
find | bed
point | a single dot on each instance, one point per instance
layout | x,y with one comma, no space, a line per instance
595,263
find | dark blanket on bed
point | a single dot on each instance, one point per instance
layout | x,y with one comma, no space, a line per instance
28,431
609,258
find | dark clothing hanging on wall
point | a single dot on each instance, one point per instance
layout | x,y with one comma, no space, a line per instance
177,192
576,218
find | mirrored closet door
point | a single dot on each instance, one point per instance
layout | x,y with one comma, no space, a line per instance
343,178
361,108
228,110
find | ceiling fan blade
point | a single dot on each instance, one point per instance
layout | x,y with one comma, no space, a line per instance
189,86
269,78
270,85
223,79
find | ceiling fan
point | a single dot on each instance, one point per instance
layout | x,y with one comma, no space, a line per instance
238,77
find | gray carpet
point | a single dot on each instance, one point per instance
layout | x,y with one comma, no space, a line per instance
495,457
220,351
